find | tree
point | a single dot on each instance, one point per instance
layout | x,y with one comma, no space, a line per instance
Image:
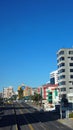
1,101
20,93
14,97
36,97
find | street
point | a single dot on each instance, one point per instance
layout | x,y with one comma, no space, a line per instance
21,116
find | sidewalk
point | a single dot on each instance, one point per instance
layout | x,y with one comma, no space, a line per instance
67,121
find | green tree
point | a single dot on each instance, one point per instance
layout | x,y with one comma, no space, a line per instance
20,93
36,97
14,97
1,101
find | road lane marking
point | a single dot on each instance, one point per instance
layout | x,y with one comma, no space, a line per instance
40,123
30,126
16,127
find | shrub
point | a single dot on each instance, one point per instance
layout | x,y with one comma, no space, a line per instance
71,115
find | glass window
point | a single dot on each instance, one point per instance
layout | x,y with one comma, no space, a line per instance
61,52
60,71
62,58
70,88
52,80
62,64
71,82
62,83
71,70
71,64
71,58
71,76
61,77
63,89
70,52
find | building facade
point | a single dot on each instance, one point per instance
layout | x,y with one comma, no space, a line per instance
65,71
54,77
50,93
8,92
27,91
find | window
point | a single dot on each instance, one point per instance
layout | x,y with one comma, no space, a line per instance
70,52
71,82
61,52
50,97
70,88
63,89
71,70
62,83
62,58
52,80
61,71
61,77
71,64
71,58
62,64
71,76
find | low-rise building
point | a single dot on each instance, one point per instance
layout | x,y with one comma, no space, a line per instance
8,92
50,93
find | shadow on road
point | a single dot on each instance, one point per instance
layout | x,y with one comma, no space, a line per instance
26,117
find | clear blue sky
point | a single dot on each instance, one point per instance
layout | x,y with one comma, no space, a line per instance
31,32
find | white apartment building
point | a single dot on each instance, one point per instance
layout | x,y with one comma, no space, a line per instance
54,77
8,92
65,71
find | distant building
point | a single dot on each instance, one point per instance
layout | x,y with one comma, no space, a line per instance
27,91
35,90
54,77
8,92
65,71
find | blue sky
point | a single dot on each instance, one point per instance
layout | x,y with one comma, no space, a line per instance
31,32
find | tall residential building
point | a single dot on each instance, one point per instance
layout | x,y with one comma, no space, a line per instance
65,71
54,77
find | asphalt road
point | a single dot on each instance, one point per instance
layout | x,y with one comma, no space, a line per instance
21,116
7,120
